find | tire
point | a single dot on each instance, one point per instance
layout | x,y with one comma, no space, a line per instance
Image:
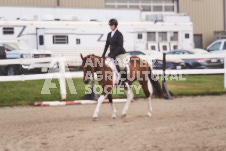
188,66
13,70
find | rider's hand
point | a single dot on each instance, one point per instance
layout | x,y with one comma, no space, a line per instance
110,55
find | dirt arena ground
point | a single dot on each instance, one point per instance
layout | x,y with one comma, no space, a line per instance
188,123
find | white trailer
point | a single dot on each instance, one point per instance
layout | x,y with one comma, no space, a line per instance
70,38
59,13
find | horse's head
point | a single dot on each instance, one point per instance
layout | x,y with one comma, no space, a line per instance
87,67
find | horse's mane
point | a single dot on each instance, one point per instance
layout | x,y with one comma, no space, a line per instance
94,56
88,56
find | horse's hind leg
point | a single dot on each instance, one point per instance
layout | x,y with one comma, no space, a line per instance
149,106
147,87
129,99
112,105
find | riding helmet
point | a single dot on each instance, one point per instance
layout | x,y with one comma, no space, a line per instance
113,22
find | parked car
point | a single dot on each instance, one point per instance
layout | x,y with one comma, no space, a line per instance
158,64
2,56
198,63
2,52
16,50
218,46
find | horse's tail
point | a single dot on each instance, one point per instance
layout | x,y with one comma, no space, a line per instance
155,83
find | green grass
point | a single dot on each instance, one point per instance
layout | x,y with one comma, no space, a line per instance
198,85
28,92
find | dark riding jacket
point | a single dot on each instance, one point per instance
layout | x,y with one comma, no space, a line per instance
116,44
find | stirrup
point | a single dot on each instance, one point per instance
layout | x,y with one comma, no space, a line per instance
126,85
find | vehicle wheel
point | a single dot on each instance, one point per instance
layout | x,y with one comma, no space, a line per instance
188,66
13,70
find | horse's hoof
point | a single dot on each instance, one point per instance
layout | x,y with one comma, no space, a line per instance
123,115
149,114
94,118
113,116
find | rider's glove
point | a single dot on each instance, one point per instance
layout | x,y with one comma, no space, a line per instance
110,55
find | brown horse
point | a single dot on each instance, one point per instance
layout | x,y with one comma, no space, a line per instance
138,70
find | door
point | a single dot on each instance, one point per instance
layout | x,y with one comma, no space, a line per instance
140,39
40,39
187,42
198,41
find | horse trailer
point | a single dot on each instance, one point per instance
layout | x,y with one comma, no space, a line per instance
70,38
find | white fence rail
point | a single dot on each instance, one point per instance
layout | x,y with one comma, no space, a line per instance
62,75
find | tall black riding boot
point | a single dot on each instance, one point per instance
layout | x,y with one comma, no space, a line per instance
120,72
125,79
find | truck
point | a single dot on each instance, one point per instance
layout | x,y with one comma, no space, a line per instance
218,46
15,50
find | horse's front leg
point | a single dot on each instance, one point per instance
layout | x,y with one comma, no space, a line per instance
99,102
112,105
149,106
129,99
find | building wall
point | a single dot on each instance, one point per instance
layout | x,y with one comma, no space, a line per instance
83,3
55,3
206,15
35,3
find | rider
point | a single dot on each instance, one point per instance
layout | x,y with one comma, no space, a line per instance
117,52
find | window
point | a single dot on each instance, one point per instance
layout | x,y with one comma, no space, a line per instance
78,41
157,9
187,36
60,39
171,52
122,6
134,6
153,48
162,36
138,53
8,30
139,36
179,52
41,40
146,8
145,5
169,8
151,36
224,48
121,1
174,36
164,47
215,46
175,47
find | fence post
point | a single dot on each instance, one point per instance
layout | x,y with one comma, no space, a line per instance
225,71
164,86
62,81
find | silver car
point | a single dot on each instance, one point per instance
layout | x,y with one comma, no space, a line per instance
17,50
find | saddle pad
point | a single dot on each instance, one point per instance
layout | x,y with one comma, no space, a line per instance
116,76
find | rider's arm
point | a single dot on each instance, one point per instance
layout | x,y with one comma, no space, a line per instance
106,46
